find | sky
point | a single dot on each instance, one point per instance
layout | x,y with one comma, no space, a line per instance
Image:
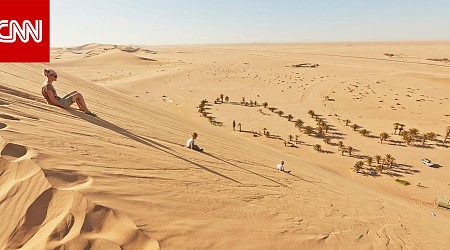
171,22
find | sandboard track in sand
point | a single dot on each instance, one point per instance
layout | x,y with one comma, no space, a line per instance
21,94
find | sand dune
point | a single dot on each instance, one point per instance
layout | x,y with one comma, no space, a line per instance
40,216
124,179
112,57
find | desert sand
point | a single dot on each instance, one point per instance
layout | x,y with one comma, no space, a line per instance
125,179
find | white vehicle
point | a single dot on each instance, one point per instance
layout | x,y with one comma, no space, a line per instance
427,162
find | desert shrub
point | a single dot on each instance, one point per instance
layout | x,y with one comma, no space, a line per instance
403,182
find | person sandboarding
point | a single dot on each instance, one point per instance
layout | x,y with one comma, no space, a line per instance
280,167
190,143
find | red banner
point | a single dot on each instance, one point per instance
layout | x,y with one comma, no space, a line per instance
24,30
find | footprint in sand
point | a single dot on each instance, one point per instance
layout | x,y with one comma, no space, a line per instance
8,117
13,151
2,126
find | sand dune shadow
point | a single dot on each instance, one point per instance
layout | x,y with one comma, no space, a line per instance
13,151
67,179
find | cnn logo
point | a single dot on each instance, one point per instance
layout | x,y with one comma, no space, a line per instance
25,31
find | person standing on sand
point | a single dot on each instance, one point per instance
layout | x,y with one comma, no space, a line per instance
234,125
49,93
191,144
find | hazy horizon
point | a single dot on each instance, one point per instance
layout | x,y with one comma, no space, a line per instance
176,22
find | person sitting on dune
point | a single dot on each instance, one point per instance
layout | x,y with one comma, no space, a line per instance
190,143
49,93
280,167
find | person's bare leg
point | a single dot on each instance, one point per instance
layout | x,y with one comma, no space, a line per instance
79,104
78,98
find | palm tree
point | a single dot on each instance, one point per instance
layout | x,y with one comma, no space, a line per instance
200,110
377,158
358,166
320,122
400,129
251,103
227,99
396,127
299,124
255,103
289,117
364,132
217,100
221,97
369,161
272,109
380,168
317,147
327,140
384,136
347,122
290,137
309,130
387,158
264,130
350,150
428,136
311,113
280,113
210,119
243,99
267,134
447,134
408,137
414,133
326,127
265,104
384,161
319,131
355,127
340,145
391,162
204,114
343,150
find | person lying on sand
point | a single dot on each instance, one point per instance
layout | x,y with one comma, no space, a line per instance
49,93
190,143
